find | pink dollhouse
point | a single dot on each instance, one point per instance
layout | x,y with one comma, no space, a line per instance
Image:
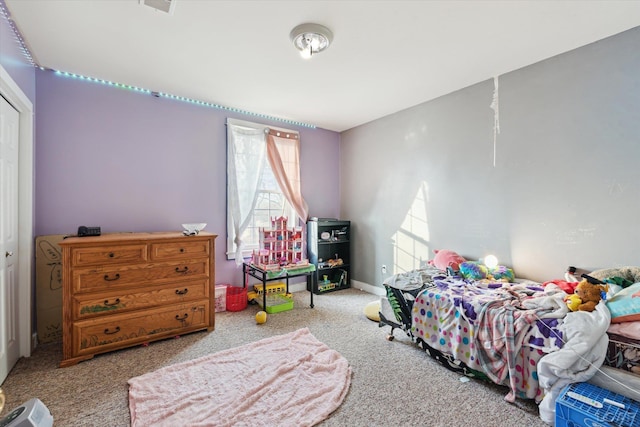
280,247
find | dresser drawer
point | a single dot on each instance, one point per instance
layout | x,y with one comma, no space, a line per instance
180,250
106,303
99,335
108,255
102,279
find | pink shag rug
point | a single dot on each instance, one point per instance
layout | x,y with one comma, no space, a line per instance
290,379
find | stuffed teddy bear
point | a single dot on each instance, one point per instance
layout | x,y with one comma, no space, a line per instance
589,294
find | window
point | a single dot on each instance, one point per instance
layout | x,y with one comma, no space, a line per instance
270,203
263,182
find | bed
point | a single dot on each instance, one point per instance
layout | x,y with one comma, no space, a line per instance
519,334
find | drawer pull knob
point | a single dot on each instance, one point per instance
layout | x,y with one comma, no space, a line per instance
181,250
115,331
108,304
111,279
111,254
184,270
179,292
183,318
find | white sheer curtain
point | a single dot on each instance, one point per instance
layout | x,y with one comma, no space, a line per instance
246,151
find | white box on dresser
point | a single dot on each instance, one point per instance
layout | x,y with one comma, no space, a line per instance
124,289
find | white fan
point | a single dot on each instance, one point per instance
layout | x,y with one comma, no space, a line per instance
32,413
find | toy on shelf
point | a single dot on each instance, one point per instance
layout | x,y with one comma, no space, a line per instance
272,288
280,247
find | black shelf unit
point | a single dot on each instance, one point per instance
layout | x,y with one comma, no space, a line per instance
328,241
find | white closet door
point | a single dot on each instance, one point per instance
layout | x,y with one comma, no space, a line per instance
9,293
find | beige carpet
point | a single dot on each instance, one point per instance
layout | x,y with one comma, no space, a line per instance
393,382
285,380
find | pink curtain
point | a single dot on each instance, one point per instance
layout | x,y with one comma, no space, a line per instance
283,153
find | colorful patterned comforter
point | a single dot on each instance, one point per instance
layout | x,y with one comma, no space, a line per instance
499,329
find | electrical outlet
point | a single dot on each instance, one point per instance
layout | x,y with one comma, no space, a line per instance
384,269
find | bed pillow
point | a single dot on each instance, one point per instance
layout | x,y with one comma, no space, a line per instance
625,305
632,274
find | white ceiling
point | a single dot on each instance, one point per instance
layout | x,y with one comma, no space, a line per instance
386,55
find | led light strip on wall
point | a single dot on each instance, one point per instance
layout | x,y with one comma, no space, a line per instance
104,82
4,12
181,98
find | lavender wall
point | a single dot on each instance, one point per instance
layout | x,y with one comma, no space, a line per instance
14,61
128,161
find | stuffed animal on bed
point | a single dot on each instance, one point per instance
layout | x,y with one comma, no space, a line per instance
573,301
475,270
445,258
589,294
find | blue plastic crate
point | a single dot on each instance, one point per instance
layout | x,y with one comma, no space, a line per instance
572,412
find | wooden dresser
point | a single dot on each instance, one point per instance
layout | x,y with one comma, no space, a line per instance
125,289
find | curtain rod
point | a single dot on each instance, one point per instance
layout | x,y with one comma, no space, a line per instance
282,133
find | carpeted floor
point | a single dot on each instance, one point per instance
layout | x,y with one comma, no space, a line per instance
393,382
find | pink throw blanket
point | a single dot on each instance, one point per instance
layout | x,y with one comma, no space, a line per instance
290,379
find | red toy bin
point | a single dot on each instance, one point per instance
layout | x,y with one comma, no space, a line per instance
236,298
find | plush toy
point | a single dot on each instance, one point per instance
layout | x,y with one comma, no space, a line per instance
573,301
503,273
589,294
445,258
473,270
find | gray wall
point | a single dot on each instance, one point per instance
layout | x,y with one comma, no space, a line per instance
565,189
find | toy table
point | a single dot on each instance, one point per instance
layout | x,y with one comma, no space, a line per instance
266,276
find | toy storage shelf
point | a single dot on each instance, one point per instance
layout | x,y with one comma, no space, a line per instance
250,270
329,249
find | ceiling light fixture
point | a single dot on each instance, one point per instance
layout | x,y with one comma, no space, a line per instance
310,39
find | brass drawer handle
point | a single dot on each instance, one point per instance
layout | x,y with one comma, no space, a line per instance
184,270
182,318
111,279
179,292
115,331
116,302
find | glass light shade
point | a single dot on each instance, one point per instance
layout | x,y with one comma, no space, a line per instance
310,39
491,261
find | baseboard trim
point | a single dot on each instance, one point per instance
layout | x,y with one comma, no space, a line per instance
375,290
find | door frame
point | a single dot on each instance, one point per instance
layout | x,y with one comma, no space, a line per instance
16,97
